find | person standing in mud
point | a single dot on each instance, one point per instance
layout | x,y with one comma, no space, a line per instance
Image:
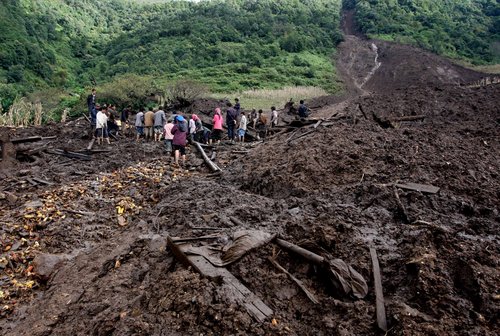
168,136
303,110
149,121
254,117
274,117
159,123
261,125
91,104
217,127
242,127
198,128
101,127
237,106
124,119
139,124
179,141
231,120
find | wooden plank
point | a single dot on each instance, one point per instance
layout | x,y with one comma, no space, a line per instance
32,139
379,295
231,286
425,188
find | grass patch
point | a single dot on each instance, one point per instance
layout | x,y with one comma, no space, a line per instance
265,98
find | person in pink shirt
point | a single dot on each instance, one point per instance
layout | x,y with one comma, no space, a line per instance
168,136
217,126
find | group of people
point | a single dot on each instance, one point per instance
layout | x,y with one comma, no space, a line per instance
176,130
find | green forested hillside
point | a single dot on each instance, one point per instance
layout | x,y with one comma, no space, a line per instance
233,45
464,29
229,45
66,46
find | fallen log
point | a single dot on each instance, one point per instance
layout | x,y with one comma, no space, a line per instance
209,162
31,139
299,283
379,295
71,155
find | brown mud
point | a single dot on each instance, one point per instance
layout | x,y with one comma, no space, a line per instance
439,253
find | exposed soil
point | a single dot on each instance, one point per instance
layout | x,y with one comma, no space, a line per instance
333,187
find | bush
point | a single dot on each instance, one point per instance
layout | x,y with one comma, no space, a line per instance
183,93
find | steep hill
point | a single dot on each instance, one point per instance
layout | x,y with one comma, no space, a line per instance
468,30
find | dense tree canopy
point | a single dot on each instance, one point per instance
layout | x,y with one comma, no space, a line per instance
466,29
229,45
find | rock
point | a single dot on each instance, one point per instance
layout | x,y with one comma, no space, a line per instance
294,211
11,197
46,264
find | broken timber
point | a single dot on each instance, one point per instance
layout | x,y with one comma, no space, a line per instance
213,167
31,139
71,155
231,286
299,283
379,295
418,187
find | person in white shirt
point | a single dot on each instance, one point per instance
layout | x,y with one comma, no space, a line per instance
242,127
101,127
192,129
274,117
168,136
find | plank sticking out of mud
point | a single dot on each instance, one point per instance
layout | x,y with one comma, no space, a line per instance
425,188
233,289
379,295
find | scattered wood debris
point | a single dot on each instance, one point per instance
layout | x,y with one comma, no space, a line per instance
234,290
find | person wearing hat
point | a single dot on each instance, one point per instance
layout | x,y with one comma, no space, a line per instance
180,137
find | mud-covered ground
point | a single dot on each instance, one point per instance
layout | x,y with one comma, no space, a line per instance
97,233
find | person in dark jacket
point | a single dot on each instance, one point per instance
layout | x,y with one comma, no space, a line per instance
91,104
231,120
124,118
303,110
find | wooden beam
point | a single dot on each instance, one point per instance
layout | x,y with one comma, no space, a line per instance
379,295
32,139
425,188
